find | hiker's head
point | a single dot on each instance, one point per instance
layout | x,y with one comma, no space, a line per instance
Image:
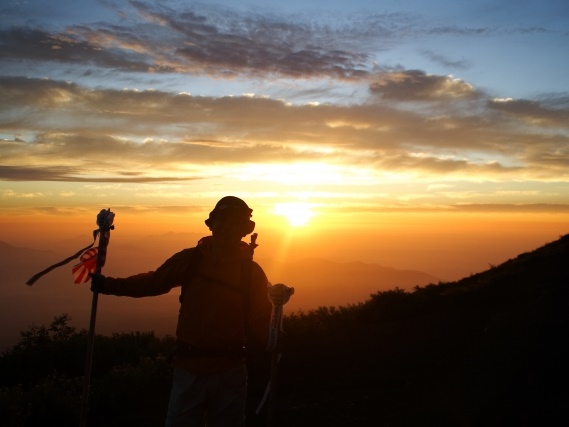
231,213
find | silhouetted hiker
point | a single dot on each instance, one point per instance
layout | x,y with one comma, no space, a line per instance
223,309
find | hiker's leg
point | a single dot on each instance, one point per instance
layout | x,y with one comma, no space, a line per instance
187,400
227,406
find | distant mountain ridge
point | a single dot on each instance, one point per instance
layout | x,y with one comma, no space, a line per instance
327,283
18,264
318,281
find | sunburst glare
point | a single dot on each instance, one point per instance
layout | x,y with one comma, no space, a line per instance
298,214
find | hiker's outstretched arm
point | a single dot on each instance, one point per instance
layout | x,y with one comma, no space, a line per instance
167,276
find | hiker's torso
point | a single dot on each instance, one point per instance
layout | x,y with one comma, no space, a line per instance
215,305
212,308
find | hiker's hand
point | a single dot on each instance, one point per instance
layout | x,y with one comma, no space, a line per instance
279,294
97,282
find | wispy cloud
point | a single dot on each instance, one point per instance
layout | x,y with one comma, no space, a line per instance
461,64
202,39
68,174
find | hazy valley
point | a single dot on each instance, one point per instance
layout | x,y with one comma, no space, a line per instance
317,283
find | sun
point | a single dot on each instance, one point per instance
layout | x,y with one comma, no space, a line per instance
297,213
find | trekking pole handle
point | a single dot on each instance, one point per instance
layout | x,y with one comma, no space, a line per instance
279,294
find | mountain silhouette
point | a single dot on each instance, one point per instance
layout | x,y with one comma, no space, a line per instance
487,350
16,263
320,282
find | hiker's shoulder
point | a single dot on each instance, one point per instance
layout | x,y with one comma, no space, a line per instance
186,254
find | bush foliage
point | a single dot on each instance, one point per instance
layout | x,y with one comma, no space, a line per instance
42,377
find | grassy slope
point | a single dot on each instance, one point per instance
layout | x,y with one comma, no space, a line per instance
490,349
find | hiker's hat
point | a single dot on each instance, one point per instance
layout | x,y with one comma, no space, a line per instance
236,208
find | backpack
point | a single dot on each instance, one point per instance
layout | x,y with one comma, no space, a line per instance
244,287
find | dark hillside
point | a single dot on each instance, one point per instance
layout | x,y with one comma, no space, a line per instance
490,349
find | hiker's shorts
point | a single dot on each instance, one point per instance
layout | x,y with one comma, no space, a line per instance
216,400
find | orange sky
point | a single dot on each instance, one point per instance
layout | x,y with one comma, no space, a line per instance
449,245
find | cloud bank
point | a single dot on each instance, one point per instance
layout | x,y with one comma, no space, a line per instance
378,124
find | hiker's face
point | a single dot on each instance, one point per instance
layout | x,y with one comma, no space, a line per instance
227,227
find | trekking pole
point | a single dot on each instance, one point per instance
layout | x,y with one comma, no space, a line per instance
105,222
279,295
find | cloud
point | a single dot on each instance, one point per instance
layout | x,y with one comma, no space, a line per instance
105,135
444,61
69,174
167,41
433,164
456,30
221,42
325,110
513,208
71,47
535,112
11,194
417,85
404,207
